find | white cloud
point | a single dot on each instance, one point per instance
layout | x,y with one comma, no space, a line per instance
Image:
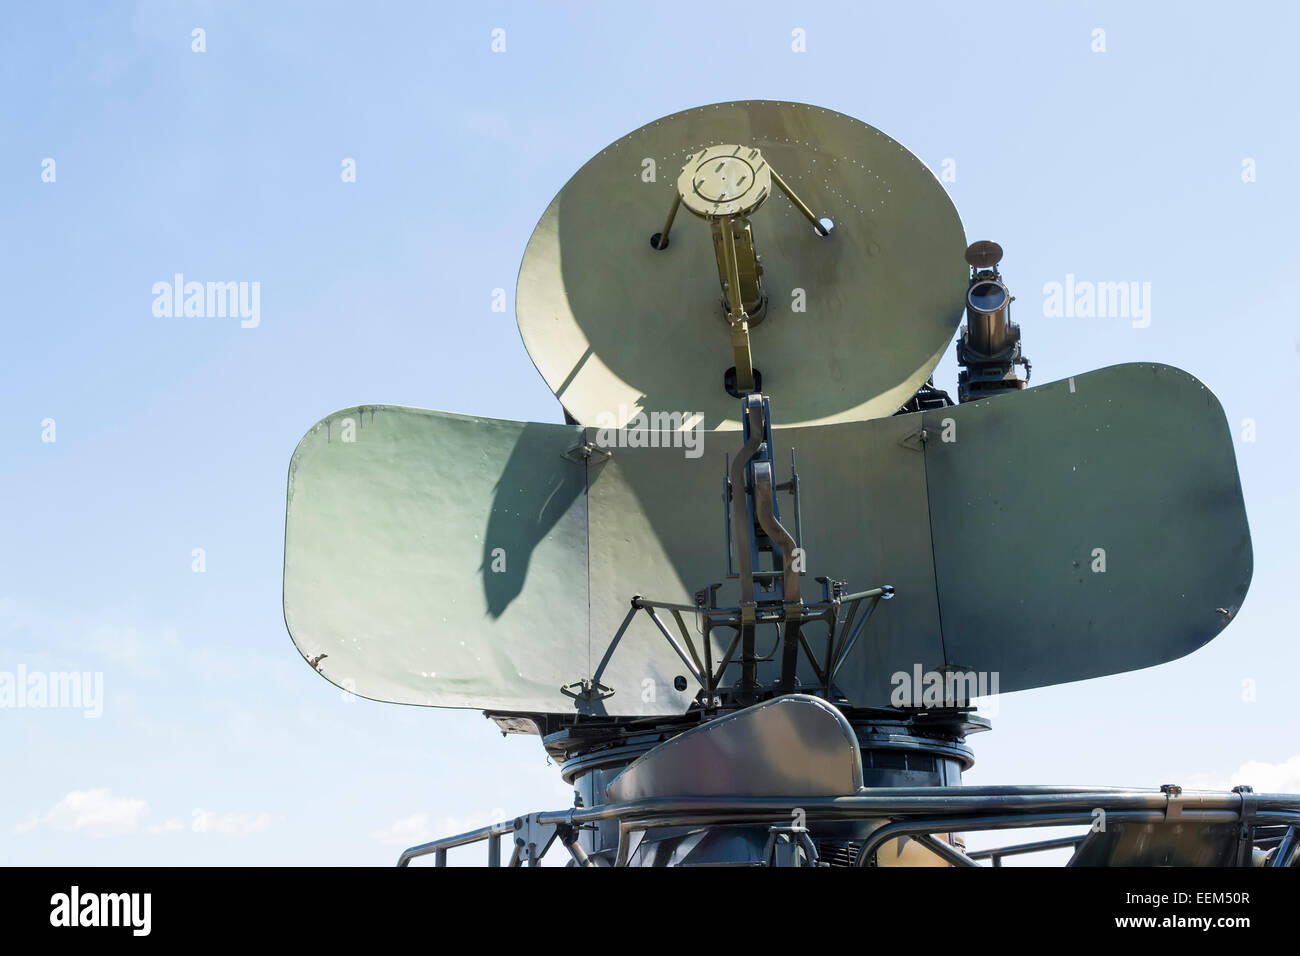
229,824
407,831
96,813
1264,777
1281,777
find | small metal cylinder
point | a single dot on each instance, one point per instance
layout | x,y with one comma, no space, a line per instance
987,305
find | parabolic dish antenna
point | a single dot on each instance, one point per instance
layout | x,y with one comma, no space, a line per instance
839,250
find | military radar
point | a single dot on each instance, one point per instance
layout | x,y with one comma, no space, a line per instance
748,594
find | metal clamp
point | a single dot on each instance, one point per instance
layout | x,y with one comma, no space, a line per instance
585,451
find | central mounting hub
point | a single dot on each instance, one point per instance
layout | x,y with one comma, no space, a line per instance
725,185
725,181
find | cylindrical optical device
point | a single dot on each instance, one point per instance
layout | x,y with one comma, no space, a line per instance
987,306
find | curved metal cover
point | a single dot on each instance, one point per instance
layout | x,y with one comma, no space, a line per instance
990,535
394,521
794,745
614,325
1086,527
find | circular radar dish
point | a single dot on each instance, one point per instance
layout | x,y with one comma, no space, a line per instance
984,254
853,321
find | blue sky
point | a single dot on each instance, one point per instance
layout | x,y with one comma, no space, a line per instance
216,743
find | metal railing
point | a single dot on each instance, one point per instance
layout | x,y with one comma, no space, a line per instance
916,812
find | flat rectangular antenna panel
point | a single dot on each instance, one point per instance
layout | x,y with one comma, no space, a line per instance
1087,527
1076,529
439,559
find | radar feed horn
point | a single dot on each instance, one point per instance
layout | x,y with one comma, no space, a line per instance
724,186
